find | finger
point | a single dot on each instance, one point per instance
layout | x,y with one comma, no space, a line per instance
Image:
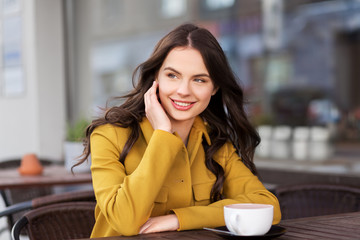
144,227
154,86
147,97
150,97
149,93
153,91
150,229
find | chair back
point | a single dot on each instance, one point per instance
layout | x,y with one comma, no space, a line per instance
309,200
67,220
83,195
78,196
18,195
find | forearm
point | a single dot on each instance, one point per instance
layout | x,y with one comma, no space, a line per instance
126,200
240,186
197,217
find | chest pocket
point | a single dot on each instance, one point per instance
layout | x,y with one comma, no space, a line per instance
160,202
202,193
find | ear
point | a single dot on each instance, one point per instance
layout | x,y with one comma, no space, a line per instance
214,91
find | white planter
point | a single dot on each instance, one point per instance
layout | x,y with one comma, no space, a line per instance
72,151
319,151
300,143
320,148
280,145
264,148
280,149
300,150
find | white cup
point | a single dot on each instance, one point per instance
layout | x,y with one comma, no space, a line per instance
248,219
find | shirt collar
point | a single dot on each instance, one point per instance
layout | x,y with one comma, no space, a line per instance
199,125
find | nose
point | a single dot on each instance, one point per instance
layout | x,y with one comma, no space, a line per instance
183,88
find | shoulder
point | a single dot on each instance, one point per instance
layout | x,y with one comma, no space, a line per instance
227,149
110,128
225,153
111,132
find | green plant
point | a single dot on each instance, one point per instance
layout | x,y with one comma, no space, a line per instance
76,131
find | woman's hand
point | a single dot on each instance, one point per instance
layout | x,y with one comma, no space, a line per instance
155,113
160,224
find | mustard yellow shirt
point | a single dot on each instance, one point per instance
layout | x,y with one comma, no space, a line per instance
160,176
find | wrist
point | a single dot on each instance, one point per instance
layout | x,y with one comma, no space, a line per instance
164,128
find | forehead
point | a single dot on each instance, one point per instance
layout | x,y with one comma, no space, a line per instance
185,59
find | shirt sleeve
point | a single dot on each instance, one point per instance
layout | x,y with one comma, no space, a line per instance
126,200
240,186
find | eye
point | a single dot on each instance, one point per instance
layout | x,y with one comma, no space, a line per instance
171,75
199,80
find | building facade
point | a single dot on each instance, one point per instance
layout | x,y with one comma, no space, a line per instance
76,54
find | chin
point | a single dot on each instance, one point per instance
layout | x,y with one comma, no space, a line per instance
181,118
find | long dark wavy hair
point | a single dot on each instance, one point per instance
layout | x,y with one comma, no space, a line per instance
225,113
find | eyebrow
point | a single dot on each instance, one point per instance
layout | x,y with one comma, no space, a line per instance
196,75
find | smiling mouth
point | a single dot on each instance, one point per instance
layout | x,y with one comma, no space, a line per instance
182,104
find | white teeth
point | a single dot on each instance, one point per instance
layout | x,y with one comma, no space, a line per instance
182,104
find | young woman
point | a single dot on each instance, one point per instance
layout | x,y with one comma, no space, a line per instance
179,148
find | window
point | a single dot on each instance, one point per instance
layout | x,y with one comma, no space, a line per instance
173,8
219,4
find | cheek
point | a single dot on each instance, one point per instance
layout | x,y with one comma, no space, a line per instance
205,99
206,95
163,92
206,103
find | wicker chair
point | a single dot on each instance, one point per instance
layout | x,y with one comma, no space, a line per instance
13,196
69,220
74,196
309,200
86,195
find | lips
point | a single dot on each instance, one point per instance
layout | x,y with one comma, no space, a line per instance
181,105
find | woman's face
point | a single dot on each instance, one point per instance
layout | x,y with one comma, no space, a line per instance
185,87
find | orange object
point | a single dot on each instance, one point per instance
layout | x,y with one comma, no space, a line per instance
30,165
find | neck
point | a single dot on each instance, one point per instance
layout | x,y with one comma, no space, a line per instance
183,129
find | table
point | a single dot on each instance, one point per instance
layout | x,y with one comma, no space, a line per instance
339,226
52,175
